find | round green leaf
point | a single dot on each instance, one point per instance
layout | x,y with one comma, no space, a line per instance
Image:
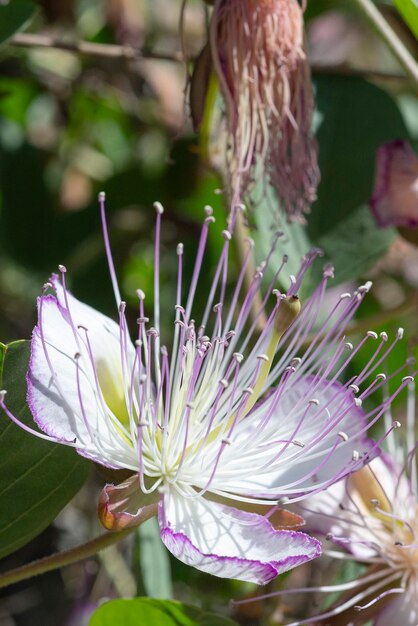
37,478
147,611
14,17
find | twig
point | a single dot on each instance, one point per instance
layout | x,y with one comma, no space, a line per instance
28,40
61,559
112,51
385,31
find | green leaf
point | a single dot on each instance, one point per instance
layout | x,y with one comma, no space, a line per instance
147,611
14,17
409,11
154,561
37,478
353,118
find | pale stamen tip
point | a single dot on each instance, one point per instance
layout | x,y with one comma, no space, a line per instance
355,456
208,210
343,435
101,196
358,402
3,394
263,357
62,269
384,336
371,334
400,333
122,307
77,356
140,294
226,235
408,379
396,424
180,249
226,441
158,207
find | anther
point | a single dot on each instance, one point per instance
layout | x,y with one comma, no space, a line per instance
226,441
371,334
328,271
238,357
297,443
381,376
122,307
3,394
77,356
226,235
190,405
355,456
345,295
180,249
285,258
296,361
408,379
263,357
365,288
375,502
159,208
153,332
138,343
248,390
217,307
143,424
396,424
142,379
343,435
314,401
354,388
142,320
164,351
208,210
384,336
349,346
292,279
224,383
358,402
102,196
398,543
47,286
400,333
140,294
290,369
81,327
62,269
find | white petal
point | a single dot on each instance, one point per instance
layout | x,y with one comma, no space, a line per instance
229,543
249,464
62,391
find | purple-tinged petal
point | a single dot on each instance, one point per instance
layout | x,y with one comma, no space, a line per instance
395,197
230,543
301,448
63,393
125,506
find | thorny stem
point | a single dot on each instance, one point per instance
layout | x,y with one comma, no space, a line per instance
385,31
62,559
28,40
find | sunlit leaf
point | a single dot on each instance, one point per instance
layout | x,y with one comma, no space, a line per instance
147,611
409,11
37,478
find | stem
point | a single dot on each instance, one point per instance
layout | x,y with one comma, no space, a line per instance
62,559
241,234
27,40
386,32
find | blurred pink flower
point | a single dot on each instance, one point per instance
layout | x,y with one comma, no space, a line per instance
395,197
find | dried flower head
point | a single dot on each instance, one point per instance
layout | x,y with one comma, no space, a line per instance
257,49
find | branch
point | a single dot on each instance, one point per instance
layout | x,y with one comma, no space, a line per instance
113,51
386,32
61,559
